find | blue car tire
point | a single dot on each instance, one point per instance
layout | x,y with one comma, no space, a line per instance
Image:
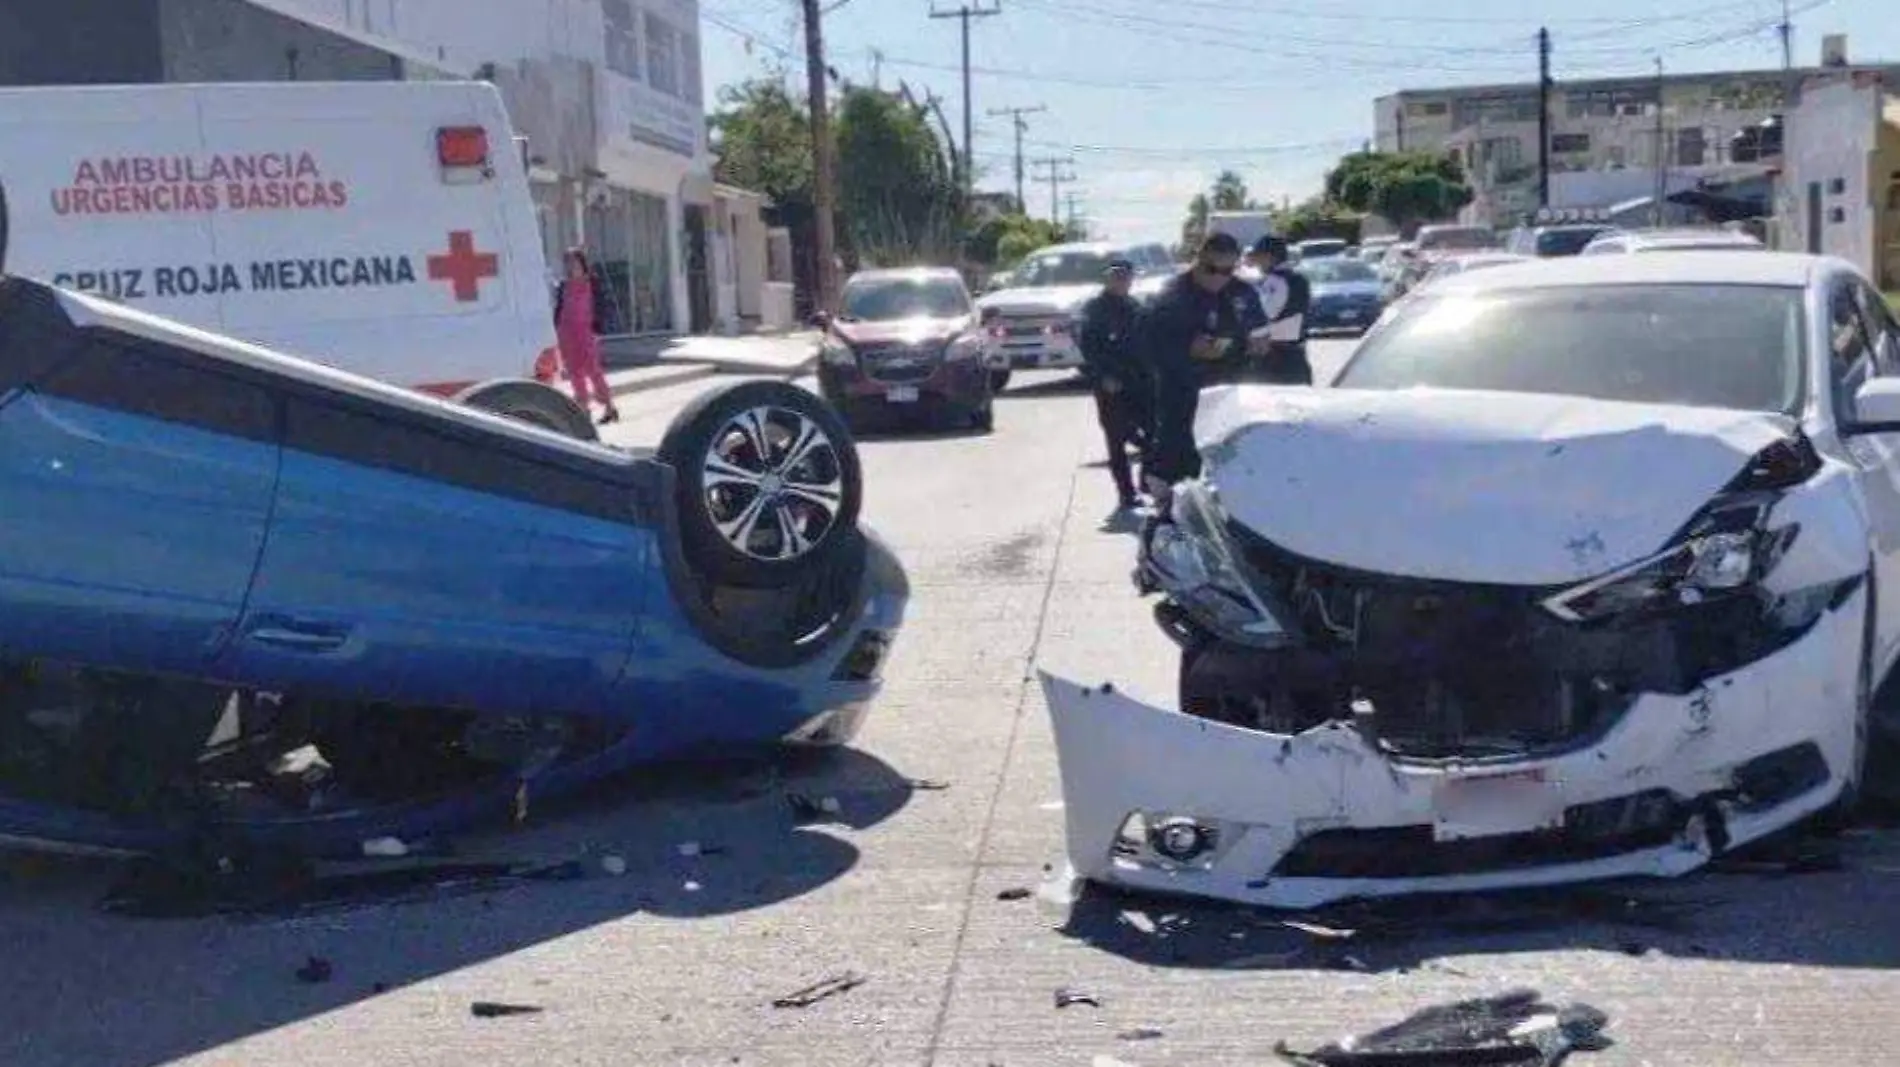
767,482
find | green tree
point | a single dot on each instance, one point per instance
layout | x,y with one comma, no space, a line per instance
1230,193
1319,217
762,141
1002,242
1409,188
898,196
1195,227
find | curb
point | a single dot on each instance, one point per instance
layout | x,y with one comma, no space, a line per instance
641,379
678,372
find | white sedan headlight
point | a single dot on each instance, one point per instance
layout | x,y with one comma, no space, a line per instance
1191,559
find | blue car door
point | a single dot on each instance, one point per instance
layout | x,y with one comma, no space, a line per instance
135,490
418,557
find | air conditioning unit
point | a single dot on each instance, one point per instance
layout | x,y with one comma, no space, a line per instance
1834,50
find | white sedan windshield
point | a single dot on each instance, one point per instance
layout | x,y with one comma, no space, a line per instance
1724,346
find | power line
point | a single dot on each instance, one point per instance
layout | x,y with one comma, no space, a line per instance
1016,120
963,15
1056,177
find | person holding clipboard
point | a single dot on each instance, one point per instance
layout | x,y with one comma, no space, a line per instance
1285,295
1196,334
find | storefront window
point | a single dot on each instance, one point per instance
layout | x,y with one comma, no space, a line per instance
627,238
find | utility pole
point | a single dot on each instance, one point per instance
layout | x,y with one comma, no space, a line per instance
1071,198
964,14
1016,119
877,68
1662,165
1543,118
1055,178
824,237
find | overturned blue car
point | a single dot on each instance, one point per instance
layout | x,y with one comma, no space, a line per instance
245,595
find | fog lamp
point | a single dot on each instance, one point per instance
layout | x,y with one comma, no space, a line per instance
1180,839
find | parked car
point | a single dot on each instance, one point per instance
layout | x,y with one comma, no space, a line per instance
1032,322
1557,240
1346,294
1320,248
1423,273
1603,587
245,596
1617,242
1446,237
910,340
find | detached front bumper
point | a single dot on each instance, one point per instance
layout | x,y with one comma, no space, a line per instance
1299,821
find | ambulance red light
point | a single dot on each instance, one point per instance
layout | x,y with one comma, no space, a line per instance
462,146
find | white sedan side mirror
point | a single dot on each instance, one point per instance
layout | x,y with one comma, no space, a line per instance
1876,407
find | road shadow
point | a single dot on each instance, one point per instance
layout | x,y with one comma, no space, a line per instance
693,842
1070,385
1845,918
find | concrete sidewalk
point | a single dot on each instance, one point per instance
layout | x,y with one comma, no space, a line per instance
640,364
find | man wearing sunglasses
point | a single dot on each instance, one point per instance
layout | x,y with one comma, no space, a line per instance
1195,335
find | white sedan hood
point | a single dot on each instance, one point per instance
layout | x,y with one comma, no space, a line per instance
1504,488
1046,300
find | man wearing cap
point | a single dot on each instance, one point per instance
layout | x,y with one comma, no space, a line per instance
1194,335
1285,295
1113,366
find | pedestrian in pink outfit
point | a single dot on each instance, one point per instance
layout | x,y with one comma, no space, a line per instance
577,327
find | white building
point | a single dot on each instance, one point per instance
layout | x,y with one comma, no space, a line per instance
610,98
1663,129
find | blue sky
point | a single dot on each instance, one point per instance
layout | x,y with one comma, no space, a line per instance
1153,97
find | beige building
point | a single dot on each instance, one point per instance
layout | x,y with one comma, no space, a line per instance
1684,122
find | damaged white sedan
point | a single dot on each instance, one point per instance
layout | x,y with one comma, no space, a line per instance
1584,569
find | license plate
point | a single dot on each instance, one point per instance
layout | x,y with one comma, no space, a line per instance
902,394
1496,805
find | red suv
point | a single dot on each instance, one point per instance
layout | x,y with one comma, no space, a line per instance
907,341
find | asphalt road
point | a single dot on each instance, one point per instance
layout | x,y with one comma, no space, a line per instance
677,961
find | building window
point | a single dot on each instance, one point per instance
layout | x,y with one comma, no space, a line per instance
1570,142
1692,147
689,67
622,38
663,57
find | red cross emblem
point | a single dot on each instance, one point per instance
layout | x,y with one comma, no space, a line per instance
464,267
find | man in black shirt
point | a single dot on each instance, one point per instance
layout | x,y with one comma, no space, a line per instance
1195,335
1115,371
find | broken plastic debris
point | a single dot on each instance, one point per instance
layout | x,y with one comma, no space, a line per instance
1015,893
488,1009
1141,1033
927,785
830,805
385,848
692,887
1515,1027
689,848
613,865
1070,997
822,990
315,971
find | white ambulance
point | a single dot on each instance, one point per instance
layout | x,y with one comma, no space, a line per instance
383,228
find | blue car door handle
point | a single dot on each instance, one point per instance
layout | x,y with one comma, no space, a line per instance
299,639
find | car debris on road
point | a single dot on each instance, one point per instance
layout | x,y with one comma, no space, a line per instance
1517,1027
822,990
